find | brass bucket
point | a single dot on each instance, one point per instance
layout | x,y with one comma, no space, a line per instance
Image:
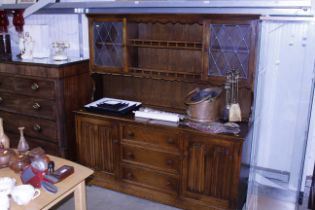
203,104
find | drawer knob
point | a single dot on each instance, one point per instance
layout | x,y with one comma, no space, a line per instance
130,155
1,100
115,141
37,128
34,86
130,134
130,175
170,141
169,162
36,106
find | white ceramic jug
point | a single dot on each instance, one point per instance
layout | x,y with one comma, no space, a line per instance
23,194
6,185
4,202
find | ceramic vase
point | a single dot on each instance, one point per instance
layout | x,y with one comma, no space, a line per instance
4,140
23,145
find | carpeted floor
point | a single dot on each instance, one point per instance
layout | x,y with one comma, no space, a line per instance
103,199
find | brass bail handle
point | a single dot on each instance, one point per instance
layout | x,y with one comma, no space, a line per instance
36,106
187,101
34,86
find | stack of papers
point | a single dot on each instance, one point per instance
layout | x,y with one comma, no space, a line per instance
158,115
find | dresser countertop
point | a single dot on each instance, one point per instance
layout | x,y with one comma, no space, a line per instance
45,61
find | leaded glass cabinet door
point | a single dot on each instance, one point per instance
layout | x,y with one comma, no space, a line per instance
229,45
108,45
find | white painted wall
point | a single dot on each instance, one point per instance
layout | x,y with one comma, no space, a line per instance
283,96
61,28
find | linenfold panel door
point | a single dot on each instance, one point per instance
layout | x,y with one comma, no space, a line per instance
282,110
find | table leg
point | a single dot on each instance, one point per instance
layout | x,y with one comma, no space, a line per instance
80,196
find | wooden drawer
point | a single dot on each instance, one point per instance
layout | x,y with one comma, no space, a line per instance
166,138
27,105
25,86
150,178
34,127
157,160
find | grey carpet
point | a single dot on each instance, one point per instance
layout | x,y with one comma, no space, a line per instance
102,199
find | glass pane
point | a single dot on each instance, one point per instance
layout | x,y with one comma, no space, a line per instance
108,44
229,48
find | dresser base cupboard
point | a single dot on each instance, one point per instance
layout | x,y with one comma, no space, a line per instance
178,166
42,98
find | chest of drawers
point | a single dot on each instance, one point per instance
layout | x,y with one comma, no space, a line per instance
41,97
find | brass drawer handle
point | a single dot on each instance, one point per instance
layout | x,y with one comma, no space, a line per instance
34,86
130,175
130,134
1,100
170,162
130,155
170,141
37,128
171,185
36,106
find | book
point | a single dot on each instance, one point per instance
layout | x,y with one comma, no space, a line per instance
113,106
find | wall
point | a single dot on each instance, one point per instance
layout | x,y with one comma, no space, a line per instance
61,28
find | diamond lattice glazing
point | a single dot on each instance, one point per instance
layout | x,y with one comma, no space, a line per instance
108,44
229,48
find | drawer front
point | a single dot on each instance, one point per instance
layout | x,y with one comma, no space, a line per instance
34,127
166,138
25,86
27,105
159,160
149,178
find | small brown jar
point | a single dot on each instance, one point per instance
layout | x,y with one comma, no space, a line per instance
5,156
36,153
19,162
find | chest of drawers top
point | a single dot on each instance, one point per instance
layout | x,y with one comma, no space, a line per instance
52,70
